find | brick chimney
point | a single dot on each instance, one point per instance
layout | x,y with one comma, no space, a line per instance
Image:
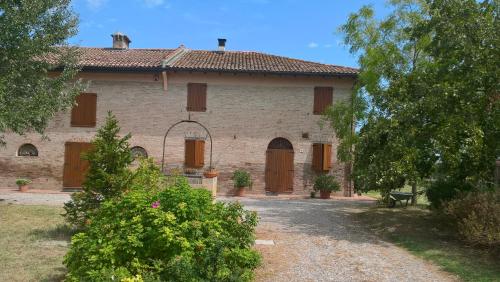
222,44
120,40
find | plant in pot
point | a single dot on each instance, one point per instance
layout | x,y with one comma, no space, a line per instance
325,184
23,184
241,180
210,173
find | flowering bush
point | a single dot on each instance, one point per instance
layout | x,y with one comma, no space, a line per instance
176,234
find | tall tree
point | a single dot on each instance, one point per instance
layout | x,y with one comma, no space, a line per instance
429,73
33,33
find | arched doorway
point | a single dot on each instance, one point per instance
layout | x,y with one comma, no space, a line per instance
279,166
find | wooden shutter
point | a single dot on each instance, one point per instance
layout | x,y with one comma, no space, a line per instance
199,153
317,162
194,153
327,157
84,113
197,97
322,156
323,98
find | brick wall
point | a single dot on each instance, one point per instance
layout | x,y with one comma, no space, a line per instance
244,113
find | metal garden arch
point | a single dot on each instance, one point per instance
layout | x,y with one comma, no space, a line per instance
174,125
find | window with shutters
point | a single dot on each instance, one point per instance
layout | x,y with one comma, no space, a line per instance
322,157
323,98
197,97
83,113
194,153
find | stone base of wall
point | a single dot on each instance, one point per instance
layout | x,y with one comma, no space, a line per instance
47,177
43,176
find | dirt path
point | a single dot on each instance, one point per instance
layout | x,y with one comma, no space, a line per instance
316,240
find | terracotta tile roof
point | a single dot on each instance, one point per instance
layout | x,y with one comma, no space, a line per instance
201,60
239,61
123,58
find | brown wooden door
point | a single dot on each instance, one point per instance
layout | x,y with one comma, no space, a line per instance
279,170
74,166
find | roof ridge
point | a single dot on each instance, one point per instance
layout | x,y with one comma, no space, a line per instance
175,56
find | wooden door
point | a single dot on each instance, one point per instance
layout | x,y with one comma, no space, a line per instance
75,167
279,170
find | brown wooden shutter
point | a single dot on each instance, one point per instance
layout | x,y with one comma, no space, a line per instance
197,97
317,162
84,113
322,156
327,157
194,153
199,153
323,98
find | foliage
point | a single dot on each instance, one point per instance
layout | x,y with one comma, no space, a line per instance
177,234
477,215
22,182
444,190
429,74
344,116
241,178
34,31
326,182
108,174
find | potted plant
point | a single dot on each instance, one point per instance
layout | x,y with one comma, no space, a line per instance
313,194
241,180
23,184
210,173
325,184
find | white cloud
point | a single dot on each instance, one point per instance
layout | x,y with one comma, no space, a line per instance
328,45
153,3
95,4
312,45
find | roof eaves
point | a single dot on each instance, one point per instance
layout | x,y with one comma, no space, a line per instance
329,74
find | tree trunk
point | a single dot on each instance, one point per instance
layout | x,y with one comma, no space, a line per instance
414,191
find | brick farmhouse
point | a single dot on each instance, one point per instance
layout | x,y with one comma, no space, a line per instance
263,113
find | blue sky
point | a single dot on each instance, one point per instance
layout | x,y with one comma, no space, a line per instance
293,28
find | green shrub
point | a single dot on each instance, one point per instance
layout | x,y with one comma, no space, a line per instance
108,174
177,234
22,182
444,190
477,215
327,183
241,178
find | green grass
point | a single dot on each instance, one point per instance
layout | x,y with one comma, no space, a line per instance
433,238
32,242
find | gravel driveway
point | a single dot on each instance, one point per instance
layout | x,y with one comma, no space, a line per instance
316,240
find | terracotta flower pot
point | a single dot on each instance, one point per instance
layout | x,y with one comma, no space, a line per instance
239,191
325,194
210,173
23,188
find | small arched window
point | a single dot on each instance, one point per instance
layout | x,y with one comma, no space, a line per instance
27,150
138,151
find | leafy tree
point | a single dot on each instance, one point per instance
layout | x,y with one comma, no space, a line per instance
430,77
108,175
32,33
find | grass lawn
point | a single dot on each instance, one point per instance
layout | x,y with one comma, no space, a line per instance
33,241
432,237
